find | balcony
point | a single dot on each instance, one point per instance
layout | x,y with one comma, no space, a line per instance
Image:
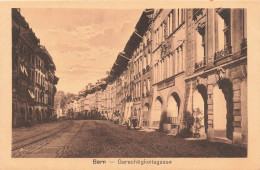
200,64
223,53
244,47
145,123
172,120
197,12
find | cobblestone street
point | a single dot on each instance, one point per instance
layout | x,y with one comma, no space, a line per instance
97,138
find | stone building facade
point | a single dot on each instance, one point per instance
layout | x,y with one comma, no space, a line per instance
169,47
216,72
33,75
185,61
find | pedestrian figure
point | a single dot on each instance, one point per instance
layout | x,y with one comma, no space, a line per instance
129,123
134,122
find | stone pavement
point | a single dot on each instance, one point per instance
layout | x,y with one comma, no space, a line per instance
103,139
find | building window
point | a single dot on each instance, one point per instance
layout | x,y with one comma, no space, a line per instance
36,95
145,62
140,67
36,75
223,33
179,17
154,73
163,35
220,32
200,47
171,22
165,68
144,39
148,84
39,78
39,97
179,60
159,71
158,37
168,66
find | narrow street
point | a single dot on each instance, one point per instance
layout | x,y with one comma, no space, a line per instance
98,138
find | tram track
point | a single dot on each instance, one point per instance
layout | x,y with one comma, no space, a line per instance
33,136
19,144
65,148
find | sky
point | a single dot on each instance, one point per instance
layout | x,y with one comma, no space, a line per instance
83,43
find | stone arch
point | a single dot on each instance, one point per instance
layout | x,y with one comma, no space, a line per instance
175,96
199,100
157,111
159,94
146,111
177,91
223,109
173,108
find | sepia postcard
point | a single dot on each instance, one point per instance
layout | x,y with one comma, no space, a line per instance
130,85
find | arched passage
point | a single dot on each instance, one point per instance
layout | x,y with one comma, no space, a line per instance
145,114
157,112
200,102
223,109
173,108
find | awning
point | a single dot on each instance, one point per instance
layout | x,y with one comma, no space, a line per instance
31,94
23,69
